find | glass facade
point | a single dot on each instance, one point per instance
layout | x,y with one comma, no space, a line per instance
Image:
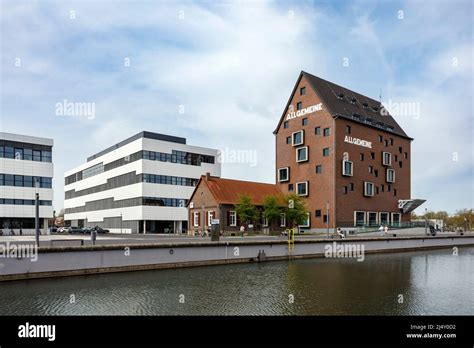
25,151
25,181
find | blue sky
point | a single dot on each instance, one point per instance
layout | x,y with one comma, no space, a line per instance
230,66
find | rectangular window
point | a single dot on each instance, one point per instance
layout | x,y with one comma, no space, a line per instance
347,168
283,174
400,149
394,192
288,140
344,189
327,132
232,218
264,220
28,154
36,155
382,188
396,219
302,188
391,141
317,130
325,219
298,138
290,187
400,164
299,106
368,189
319,169
282,220
348,129
361,157
386,142
196,219
372,218
18,153
2,180
304,121
390,175
406,155
9,180
380,139
210,216
386,158
326,152
285,124
9,152
371,169
18,180
306,221
28,181
372,155
303,91
302,154
317,213
351,186
46,156
359,218
384,218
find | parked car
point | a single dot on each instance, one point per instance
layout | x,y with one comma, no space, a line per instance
74,229
101,230
86,230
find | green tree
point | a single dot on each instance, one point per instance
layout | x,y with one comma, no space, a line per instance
271,209
245,210
295,210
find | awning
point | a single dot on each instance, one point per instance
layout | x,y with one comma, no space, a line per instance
408,205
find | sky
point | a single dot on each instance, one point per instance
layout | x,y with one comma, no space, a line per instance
220,74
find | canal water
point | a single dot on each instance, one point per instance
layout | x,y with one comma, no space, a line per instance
412,283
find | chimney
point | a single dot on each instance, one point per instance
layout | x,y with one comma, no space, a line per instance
208,176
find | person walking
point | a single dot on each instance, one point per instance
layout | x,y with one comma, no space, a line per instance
381,230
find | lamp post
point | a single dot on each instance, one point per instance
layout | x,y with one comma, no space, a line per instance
121,219
327,218
37,184
426,221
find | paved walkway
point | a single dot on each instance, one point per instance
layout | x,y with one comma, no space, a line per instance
111,239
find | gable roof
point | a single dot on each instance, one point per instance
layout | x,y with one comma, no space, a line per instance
344,103
228,191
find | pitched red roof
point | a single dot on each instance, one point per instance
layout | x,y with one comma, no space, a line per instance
228,191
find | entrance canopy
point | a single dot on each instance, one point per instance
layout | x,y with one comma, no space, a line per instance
408,205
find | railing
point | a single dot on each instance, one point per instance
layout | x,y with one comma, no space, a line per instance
367,228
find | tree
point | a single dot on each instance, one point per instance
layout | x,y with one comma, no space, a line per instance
271,209
296,212
245,210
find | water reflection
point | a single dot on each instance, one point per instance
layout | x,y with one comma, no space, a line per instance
432,282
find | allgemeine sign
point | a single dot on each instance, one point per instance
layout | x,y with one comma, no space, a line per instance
309,110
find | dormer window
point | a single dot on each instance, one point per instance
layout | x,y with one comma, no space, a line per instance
353,100
340,95
365,105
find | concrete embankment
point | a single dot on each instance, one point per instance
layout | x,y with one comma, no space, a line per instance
69,261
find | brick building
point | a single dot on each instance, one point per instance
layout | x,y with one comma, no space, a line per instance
215,198
345,154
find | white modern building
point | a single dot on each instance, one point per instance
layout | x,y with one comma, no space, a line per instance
140,185
26,167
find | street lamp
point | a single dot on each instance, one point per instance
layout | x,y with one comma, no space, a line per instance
37,185
426,221
327,218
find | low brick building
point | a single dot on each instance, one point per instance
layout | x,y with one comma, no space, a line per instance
215,198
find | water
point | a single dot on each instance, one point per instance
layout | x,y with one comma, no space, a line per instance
431,282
